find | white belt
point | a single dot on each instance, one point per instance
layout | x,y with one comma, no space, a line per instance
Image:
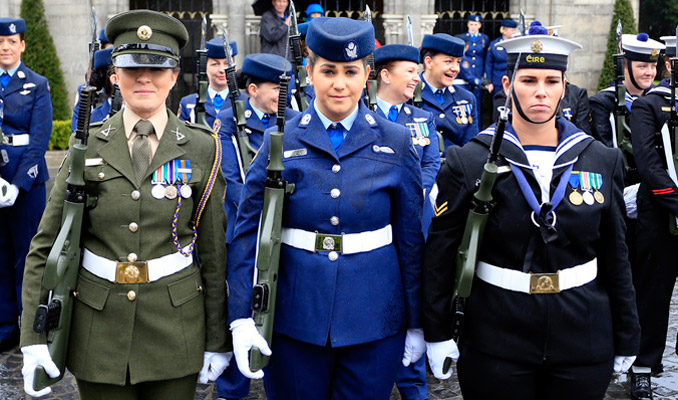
530,283
156,268
350,243
16,140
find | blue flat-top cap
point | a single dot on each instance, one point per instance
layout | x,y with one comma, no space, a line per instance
474,17
314,8
266,66
102,36
303,28
102,58
12,26
539,50
340,39
444,43
396,52
641,48
215,48
509,23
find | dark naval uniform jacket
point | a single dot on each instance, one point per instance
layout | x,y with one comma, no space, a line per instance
230,164
603,105
27,109
146,331
575,107
187,108
582,325
371,181
456,119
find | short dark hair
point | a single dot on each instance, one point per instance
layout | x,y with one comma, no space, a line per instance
428,53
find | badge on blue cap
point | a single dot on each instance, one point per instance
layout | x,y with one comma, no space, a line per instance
12,26
340,39
351,50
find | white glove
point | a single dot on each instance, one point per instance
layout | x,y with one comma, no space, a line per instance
630,194
34,356
10,197
246,336
623,363
213,366
415,346
437,353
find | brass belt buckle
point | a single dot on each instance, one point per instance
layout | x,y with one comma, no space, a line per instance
132,272
328,242
544,283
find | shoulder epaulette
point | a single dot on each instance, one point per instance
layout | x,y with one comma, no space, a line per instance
199,126
96,124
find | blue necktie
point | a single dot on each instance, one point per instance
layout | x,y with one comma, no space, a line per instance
393,113
439,95
4,79
265,120
218,101
336,132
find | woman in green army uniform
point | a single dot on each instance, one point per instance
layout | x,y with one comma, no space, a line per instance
147,322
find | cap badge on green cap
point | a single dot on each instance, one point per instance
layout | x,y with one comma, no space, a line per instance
537,46
144,32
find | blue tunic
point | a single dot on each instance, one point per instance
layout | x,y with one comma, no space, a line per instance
187,107
495,64
357,298
230,166
456,119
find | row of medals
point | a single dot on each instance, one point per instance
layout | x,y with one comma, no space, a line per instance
577,198
421,141
464,120
170,191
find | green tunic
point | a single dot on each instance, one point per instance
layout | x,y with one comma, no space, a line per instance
161,330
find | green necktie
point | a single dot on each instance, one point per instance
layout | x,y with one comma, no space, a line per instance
141,153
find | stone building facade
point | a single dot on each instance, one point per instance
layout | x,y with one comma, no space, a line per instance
584,21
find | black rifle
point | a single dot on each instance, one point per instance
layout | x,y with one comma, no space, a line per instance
481,205
270,232
416,100
203,83
116,101
671,153
622,132
298,68
370,95
63,261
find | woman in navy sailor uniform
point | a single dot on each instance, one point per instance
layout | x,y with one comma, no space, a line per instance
558,217
345,318
397,77
453,107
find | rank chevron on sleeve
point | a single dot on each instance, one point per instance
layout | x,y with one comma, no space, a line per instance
440,209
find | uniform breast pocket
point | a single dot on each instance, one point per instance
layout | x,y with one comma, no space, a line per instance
98,178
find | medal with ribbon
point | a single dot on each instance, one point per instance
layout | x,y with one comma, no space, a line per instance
183,168
158,181
586,187
469,112
597,183
575,197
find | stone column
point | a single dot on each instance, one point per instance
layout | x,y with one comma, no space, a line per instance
252,26
395,29
428,22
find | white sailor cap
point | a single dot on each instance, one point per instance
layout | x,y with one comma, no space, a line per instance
670,42
538,49
641,48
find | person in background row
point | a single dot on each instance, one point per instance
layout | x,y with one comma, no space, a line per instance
551,312
147,322
274,29
454,108
495,60
654,269
217,91
397,76
260,77
472,69
314,10
103,76
345,313
26,126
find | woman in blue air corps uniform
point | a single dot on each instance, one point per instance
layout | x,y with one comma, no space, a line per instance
345,316
454,108
551,313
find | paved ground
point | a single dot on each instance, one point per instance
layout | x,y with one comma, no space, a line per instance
665,385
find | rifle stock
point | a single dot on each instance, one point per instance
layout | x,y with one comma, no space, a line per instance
673,129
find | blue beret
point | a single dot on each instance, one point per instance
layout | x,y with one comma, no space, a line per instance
11,26
266,66
444,43
102,36
509,23
474,17
314,8
215,48
399,52
102,58
340,39
303,28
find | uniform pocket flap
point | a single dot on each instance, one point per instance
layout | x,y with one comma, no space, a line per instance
91,293
101,173
184,290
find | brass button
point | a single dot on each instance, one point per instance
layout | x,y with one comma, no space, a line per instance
131,295
101,175
333,256
133,227
132,257
335,193
334,221
135,195
336,168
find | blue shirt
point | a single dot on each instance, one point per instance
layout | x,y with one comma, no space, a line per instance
347,122
385,107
